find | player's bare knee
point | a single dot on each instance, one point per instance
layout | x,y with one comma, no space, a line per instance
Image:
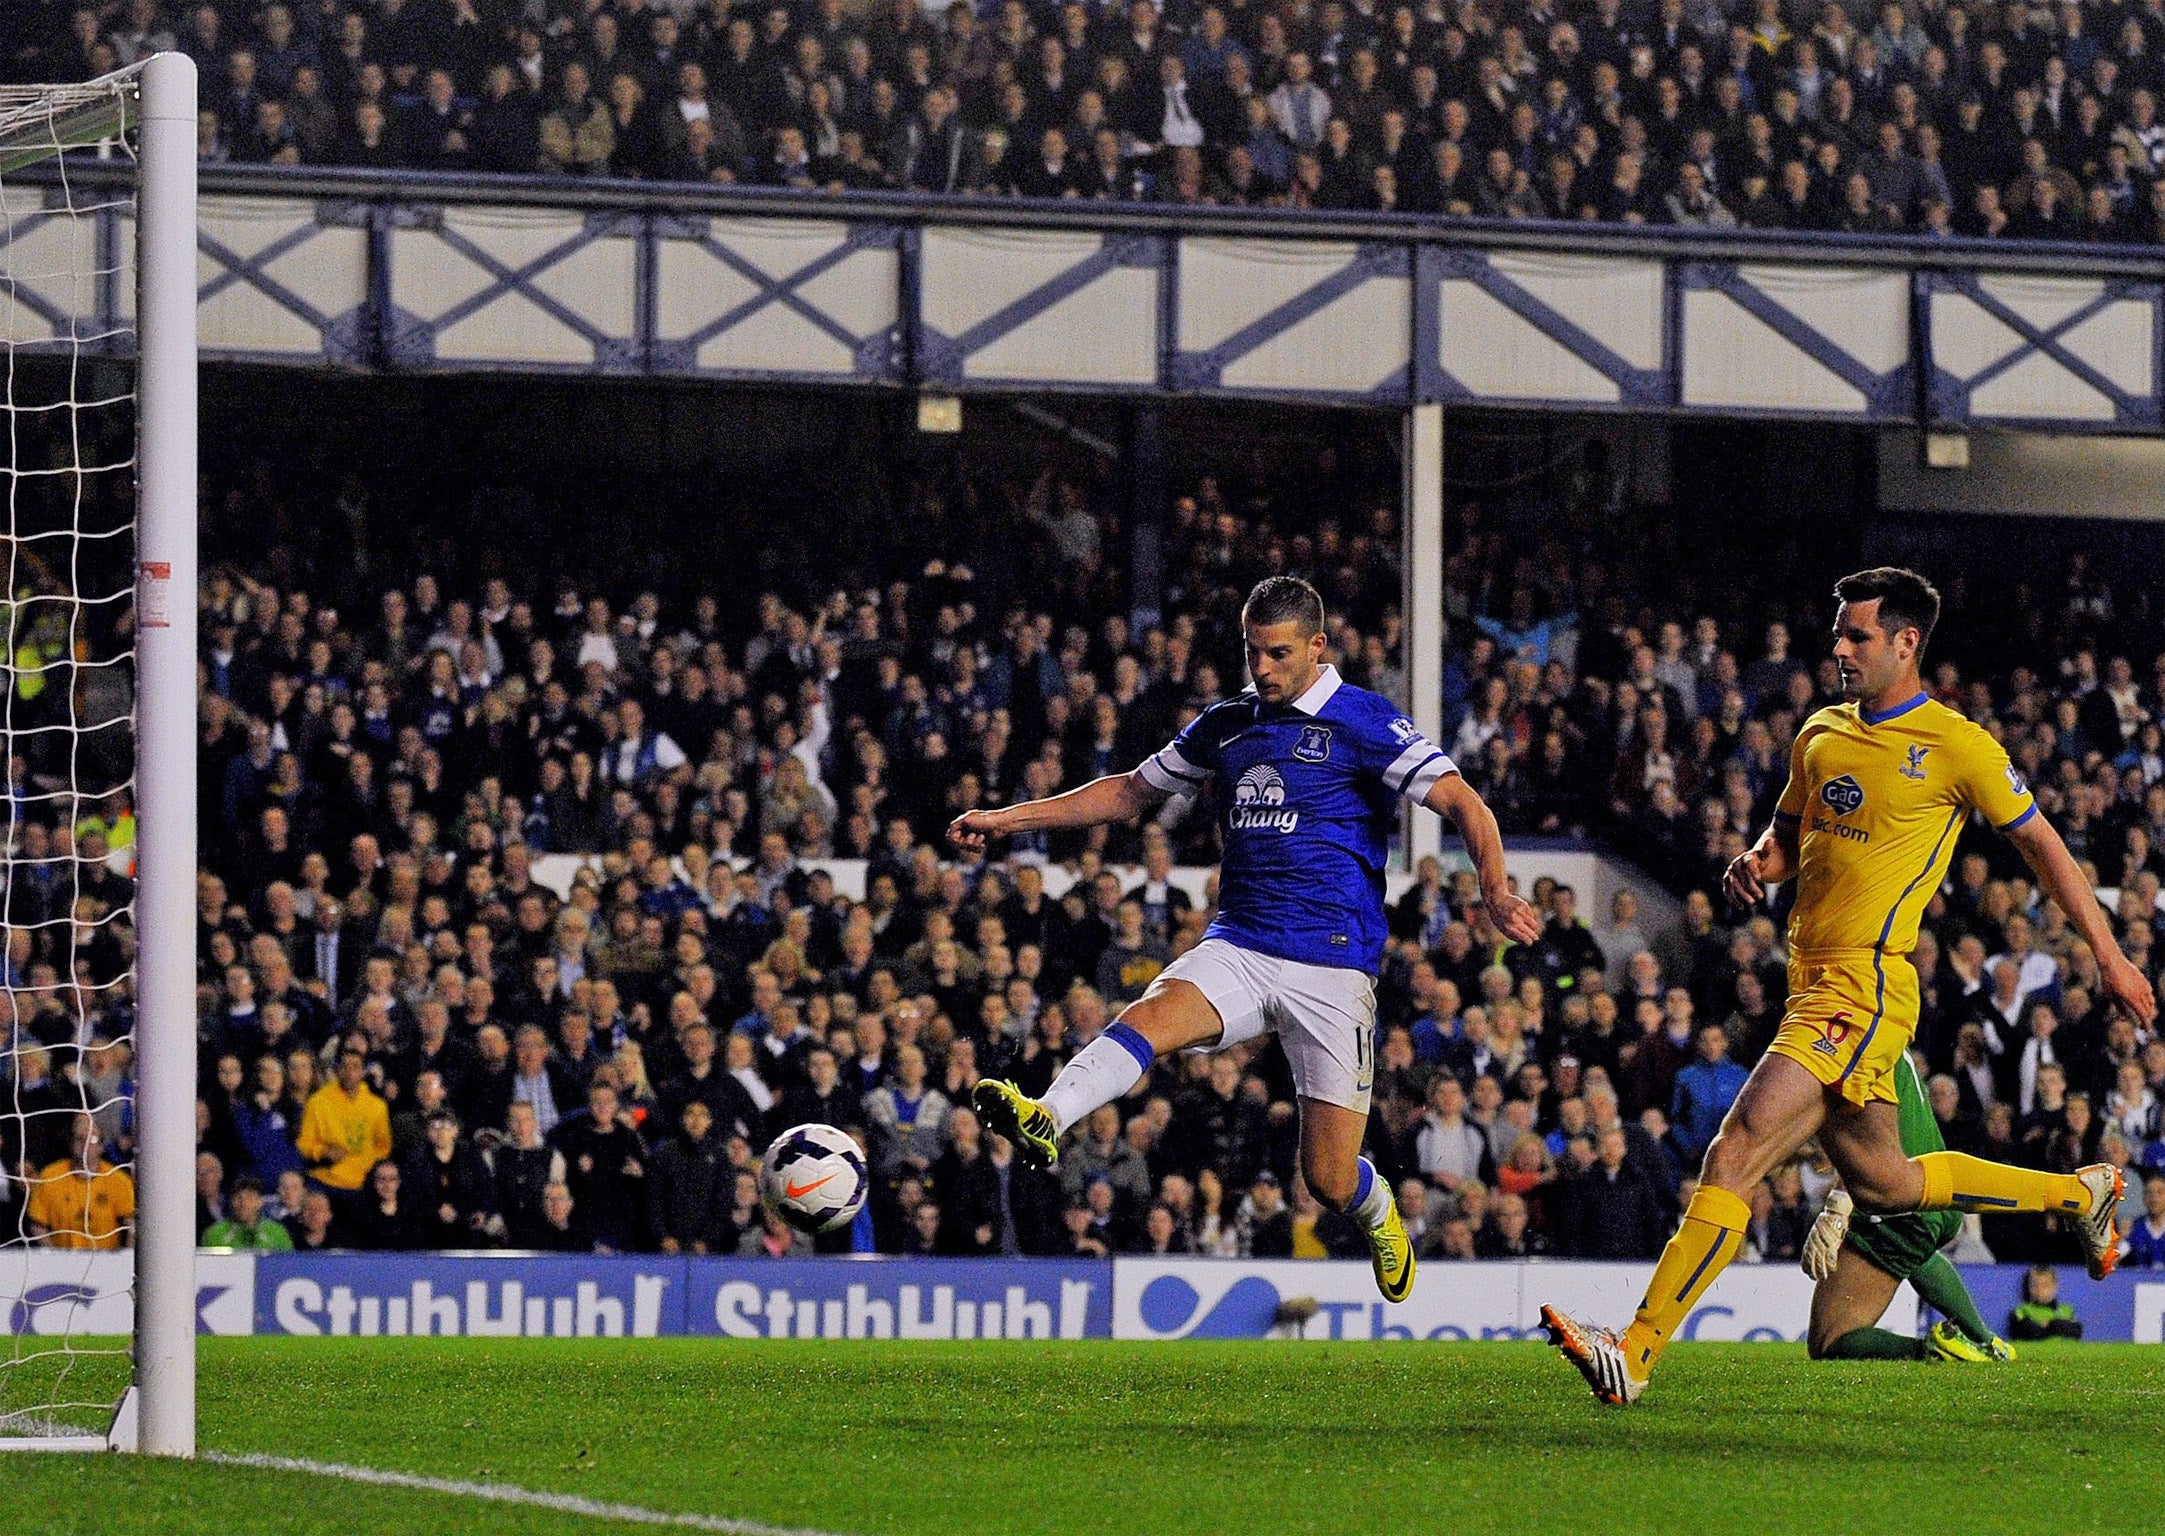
1172,1016
1885,1189
1877,1196
1335,1188
1728,1160
1336,1194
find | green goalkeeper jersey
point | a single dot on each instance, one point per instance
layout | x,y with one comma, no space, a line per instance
1913,1111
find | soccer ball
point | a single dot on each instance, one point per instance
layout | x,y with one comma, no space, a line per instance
813,1177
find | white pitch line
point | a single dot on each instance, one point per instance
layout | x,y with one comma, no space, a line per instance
507,1493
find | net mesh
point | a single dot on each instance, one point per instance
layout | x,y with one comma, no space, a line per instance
67,909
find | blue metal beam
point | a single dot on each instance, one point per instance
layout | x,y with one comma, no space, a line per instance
1951,394
1423,251
1640,388
943,359
1886,395
874,355
1204,370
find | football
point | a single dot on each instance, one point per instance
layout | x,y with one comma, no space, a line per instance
813,1177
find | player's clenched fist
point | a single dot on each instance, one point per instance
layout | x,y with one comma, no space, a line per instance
1742,882
970,830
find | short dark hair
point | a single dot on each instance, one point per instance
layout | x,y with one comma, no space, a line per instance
1284,600
1906,599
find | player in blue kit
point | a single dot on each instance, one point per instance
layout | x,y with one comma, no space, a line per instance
1309,773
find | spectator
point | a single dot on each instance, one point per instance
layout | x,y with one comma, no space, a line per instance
968,1189
688,1184
1704,1091
578,134
383,1218
1781,1223
246,1226
449,1189
2041,1314
311,1229
908,1119
2144,1245
605,1159
81,1200
560,1229
1447,1150
346,1131
1265,1223
525,1168
1615,1211
1132,960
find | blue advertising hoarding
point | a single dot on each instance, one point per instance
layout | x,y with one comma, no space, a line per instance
655,1296
899,1299
59,1292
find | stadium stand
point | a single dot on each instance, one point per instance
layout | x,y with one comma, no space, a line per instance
2028,122
408,1040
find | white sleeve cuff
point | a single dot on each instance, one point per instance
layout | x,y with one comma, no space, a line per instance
1424,774
1170,773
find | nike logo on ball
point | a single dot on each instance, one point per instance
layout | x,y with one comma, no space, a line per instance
799,1191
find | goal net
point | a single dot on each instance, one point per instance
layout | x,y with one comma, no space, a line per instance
96,1038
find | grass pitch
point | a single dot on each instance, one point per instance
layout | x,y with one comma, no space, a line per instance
1079,1439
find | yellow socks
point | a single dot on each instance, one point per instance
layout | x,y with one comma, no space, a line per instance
1957,1181
1712,1234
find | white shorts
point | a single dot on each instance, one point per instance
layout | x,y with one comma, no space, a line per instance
1324,1015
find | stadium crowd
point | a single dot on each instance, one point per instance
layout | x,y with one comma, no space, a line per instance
411,1039
2037,121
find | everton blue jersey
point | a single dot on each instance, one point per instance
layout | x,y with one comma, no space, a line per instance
1308,796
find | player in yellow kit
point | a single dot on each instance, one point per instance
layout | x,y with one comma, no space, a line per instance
1879,788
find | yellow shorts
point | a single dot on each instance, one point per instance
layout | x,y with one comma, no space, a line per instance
1851,1015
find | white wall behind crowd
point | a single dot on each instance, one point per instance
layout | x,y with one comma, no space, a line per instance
1596,877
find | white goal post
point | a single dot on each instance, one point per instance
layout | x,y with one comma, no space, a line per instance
50,132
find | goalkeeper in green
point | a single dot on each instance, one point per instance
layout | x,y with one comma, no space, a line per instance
1860,1261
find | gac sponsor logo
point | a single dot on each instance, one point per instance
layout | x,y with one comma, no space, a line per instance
1842,795
1841,829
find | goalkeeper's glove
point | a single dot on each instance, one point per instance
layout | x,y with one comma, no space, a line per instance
1824,1243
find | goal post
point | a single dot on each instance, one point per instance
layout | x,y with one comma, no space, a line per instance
165,757
96,269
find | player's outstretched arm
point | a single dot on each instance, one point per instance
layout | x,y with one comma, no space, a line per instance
1116,797
2066,884
1453,797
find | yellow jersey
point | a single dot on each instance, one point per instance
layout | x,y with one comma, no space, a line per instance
81,1209
1878,802
343,1138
